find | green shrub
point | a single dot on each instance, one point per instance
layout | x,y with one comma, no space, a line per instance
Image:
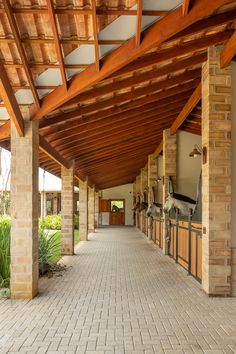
5,237
49,246
50,222
76,221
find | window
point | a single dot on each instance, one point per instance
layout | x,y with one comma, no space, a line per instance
117,206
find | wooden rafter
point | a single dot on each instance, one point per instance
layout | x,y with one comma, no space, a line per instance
5,130
60,58
52,153
8,97
192,102
21,51
139,22
185,7
133,95
228,52
159,32
95,35
148,75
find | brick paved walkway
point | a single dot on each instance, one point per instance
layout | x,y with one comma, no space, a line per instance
120,295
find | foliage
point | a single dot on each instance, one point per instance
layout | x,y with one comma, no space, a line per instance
4,202
5,231
76,222
49,246
50,222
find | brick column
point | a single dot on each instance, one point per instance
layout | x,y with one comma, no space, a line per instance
216,175
151,178
83,210
67,210
169,170
96,209
91,210
24,211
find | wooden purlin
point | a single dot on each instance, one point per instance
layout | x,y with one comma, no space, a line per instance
53,23
21,51
95,35
156,34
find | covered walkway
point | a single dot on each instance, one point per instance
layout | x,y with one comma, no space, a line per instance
120,294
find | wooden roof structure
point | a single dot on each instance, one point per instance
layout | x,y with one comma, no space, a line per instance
102,100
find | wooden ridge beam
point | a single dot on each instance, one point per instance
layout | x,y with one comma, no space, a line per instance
52,153
228,52
156,34
5,130
21,51
192,102
10,102
60,58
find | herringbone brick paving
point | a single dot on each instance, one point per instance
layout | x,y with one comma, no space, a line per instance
120,294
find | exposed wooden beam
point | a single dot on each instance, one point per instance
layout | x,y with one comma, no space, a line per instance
5,130
192,102
192,46
95,35
135,80
80,11
158,150
103,115
228,52
185,7
8,97
21,51
139,22
60,58
52,153
134,95
156,34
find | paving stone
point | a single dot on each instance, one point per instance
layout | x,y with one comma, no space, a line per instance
120,294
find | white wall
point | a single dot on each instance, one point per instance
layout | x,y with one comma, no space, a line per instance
188,168
120,192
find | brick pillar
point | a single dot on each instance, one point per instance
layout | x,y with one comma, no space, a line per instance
151,178
216,175
83,210
169,170
24,211
67,210
96,209
91,210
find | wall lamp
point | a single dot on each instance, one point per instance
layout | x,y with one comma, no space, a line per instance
198,151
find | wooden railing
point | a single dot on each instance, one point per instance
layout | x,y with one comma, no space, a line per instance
185,245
